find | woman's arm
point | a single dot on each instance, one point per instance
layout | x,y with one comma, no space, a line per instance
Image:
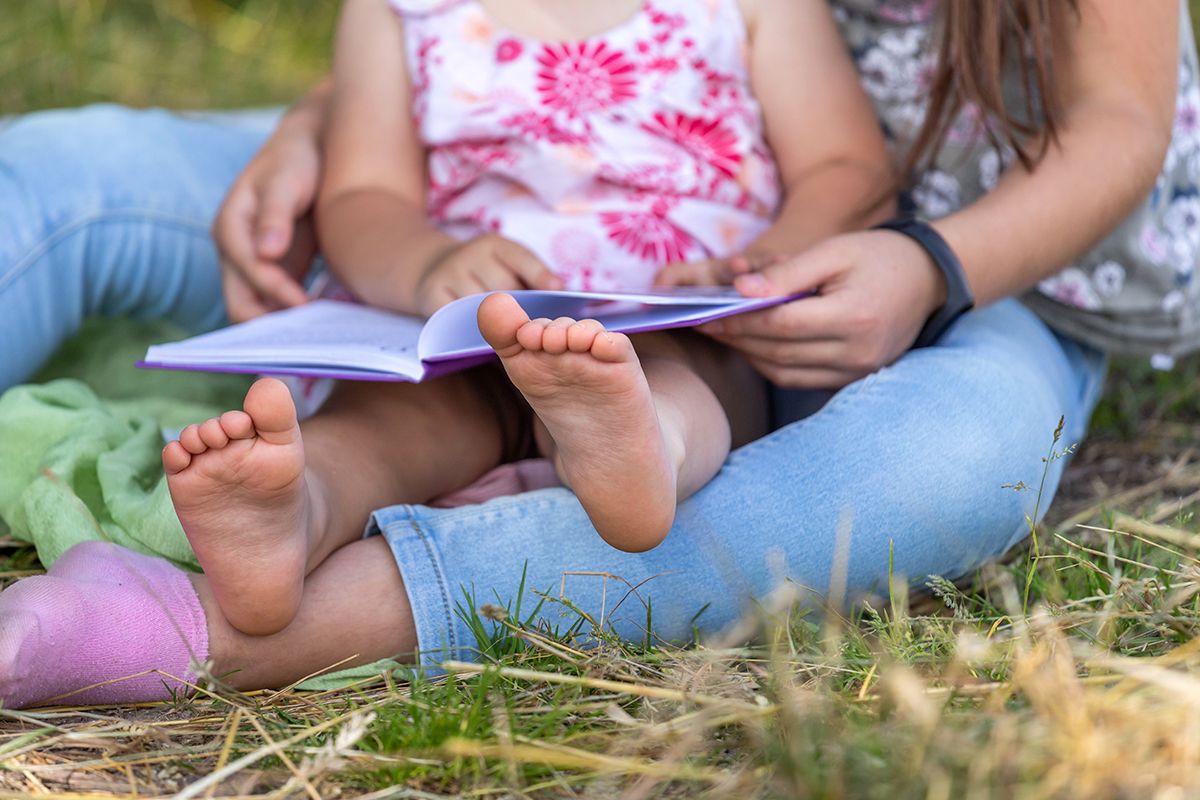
834,166
263,230
1117,77
1117,72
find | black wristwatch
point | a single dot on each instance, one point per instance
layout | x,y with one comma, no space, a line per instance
958,292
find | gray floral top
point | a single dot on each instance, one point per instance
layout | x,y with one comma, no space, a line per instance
1134,292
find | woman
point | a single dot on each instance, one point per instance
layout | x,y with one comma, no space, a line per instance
899,474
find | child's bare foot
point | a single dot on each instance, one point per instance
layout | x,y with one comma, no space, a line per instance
587,387
239,489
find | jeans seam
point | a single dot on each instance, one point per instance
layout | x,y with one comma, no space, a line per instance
440,580
44,246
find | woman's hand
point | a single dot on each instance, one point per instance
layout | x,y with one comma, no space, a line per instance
487,263
264,231
873,292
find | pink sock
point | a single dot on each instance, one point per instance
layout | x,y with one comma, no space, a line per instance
102,613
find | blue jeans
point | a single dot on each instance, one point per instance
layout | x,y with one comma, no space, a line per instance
106,211
905,469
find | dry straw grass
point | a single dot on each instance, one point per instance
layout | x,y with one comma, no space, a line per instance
1090,694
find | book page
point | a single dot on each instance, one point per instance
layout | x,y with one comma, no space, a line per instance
452,332
318,337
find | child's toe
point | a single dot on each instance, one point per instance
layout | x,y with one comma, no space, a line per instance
609,346
213,434
581,335
175,458
191,441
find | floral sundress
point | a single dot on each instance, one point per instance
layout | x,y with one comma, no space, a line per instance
607,157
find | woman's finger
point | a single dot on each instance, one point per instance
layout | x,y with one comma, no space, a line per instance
824,353
808,318
233,232
693,273
241,301
233,227
277,284
805,272
282,200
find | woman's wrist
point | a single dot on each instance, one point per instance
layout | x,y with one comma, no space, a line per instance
952,295
306,117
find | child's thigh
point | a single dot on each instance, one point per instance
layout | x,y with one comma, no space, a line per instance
741,391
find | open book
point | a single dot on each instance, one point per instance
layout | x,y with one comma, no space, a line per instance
328,338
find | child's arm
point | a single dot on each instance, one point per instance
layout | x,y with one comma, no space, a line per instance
371,218
835,170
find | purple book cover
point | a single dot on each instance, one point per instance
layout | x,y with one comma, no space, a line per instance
328,338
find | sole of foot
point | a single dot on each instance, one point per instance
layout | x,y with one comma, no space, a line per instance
587,387
238,485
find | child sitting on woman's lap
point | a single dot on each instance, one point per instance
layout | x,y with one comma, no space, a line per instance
490,145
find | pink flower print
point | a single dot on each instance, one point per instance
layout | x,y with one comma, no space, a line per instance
704,138
669,21
648,235
578,78
662,64
913,11
535,126
574,253
1187,119
1154,244
508,50
1071,287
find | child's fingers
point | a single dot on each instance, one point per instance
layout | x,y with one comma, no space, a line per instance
436,293
715,271
693,273
532,273
493,275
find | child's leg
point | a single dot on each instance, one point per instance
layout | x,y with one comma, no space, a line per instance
353,610
263,505
629,437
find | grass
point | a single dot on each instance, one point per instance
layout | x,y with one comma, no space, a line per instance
1072,671
171,53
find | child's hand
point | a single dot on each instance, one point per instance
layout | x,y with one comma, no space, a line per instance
715,271
486,263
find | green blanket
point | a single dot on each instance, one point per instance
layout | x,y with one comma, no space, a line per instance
79,449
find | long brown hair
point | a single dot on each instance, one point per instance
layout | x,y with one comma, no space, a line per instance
981,40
